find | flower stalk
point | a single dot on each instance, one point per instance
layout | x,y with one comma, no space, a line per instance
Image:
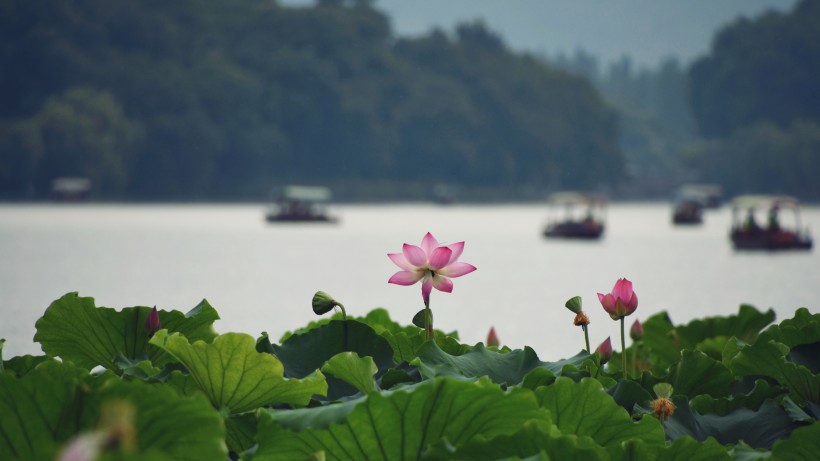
428,320
623,348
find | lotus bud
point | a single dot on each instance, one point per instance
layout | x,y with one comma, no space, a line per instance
581,319
574,304
622,301
492,338
152,323
636,330
604,351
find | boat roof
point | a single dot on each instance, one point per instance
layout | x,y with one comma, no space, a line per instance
765,201
70,185
305,193
708,189
573,197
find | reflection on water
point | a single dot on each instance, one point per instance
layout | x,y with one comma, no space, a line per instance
261,277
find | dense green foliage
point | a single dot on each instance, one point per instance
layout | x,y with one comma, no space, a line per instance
755,97
220,98
739,387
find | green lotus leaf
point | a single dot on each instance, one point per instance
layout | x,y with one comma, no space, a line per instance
585,409
803,328
74,329
713,347
689,449
752,400
354,370
769,359
397,376
23,364
182,428
802,444
759,429
508,368
807,355
662,340
379,319
136,368
398,425
666,340
743,452
801,334
628,393
38,411
305,353
696,374
795,412
404,349
745,325
538,377
235,376
531,441
45,409
241,430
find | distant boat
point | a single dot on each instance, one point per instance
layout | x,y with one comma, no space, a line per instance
575,215
295,203
747,234
687,212
444,194
69,189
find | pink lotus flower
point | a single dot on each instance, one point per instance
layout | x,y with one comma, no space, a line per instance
621,302
434,265
604,350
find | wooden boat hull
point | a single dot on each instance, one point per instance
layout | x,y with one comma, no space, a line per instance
280,218
771,241
574,230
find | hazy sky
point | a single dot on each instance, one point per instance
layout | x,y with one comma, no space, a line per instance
646,30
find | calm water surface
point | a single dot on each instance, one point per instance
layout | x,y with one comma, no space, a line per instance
261,277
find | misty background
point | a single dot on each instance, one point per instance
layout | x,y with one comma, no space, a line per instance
384,100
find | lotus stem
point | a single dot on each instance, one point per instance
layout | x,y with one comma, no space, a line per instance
428,320
586,338
623,348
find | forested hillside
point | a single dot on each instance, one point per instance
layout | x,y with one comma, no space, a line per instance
755,98
213,99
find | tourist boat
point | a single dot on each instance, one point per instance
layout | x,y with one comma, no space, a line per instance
747,234
575,215
687,212
70,189
295,203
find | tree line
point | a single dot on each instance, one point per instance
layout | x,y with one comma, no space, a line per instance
218,99
221,99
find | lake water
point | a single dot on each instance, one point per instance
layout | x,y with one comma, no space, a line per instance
261,277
